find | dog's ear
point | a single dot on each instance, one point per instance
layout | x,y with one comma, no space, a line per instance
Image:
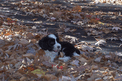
56,34
43,43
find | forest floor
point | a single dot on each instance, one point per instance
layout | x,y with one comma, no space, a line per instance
95,29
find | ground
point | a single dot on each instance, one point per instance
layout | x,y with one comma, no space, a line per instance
93,28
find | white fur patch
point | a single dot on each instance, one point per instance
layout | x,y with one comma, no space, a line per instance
75,54
65,58
51,54
56,43
52,36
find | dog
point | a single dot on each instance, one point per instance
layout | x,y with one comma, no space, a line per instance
68,50
53,47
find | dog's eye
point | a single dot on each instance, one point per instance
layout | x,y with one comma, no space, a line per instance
52,43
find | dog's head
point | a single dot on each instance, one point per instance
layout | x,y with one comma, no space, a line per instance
51,43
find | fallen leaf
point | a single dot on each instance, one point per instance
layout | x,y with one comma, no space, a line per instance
23,78
24,42
77,8
9,19
28,55
29,35
30,68
49,77
38,71
7,34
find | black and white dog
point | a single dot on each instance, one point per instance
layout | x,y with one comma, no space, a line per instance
53,47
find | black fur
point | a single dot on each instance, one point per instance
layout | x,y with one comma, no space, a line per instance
68,49
47,43
44,44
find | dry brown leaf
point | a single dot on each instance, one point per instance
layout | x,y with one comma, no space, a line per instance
49,77
9,19
21,71
1,21
93,21
37,37
32,75
11,61
41,52
28,55
24,41
29,35
9,44
73,30
34,19
33,41
7,34
57,13
77,8
17,74
23,78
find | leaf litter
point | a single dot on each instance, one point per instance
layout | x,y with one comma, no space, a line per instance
22,59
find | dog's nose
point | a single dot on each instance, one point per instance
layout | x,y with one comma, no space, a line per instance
58,47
